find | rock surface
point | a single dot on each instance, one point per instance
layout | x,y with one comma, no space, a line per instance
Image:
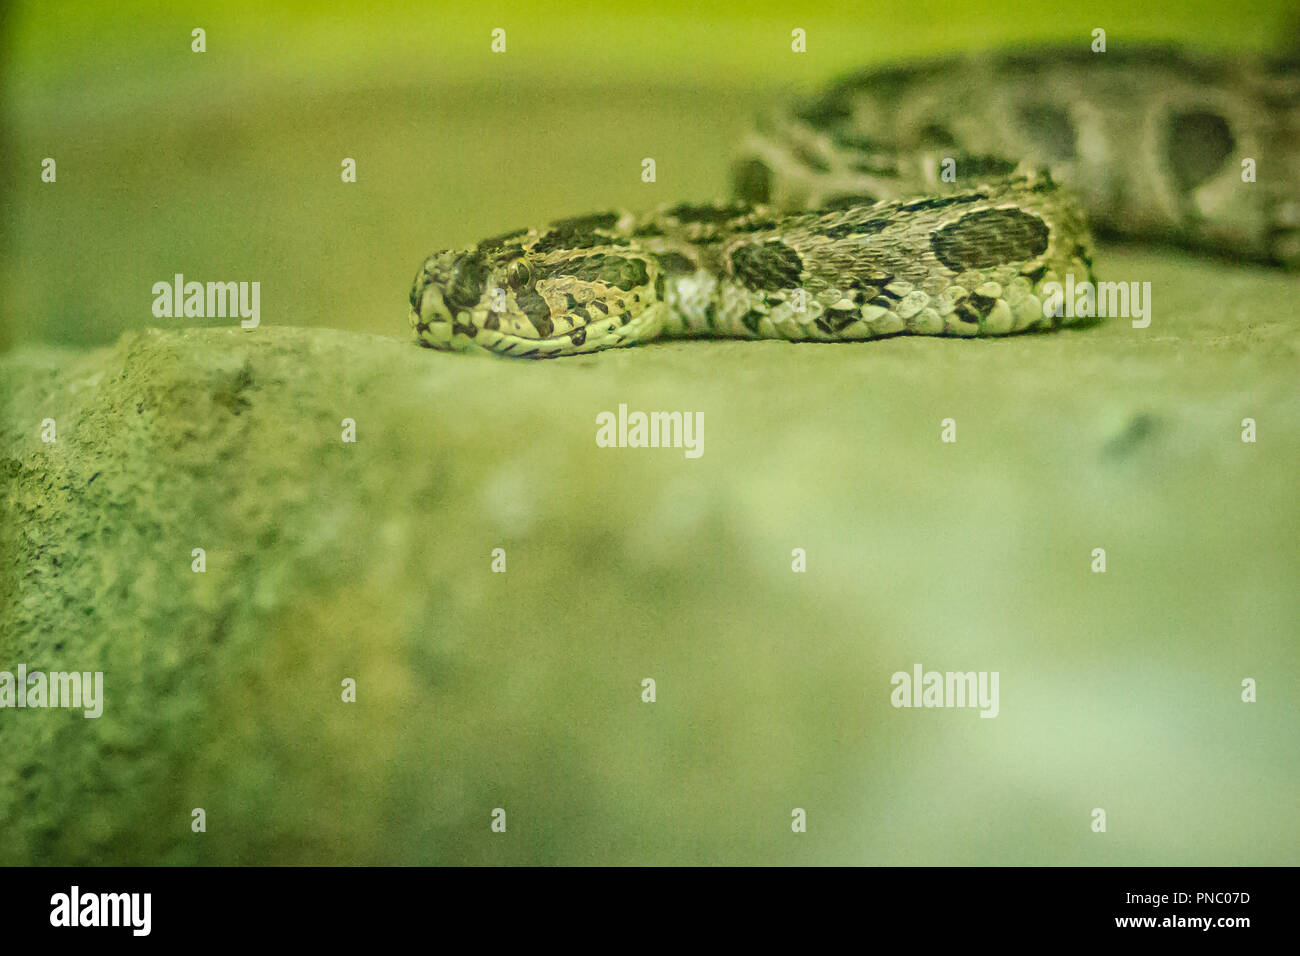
328,560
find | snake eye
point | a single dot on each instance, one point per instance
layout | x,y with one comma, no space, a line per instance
518,274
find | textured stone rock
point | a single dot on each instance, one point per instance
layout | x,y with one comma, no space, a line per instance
328,560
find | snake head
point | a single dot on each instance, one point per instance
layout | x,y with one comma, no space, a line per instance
485,296
534,292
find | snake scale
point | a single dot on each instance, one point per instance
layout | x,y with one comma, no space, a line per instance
934,199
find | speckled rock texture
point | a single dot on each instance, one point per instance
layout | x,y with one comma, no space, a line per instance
371,560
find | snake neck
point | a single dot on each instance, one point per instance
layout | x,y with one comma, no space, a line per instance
702,305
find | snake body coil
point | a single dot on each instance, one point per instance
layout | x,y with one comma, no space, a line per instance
830,242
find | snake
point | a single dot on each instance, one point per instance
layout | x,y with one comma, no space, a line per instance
938,198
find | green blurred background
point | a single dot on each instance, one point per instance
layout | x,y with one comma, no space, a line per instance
480,690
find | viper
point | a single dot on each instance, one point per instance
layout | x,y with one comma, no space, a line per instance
938,198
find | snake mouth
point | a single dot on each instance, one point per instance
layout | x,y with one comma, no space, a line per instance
430,307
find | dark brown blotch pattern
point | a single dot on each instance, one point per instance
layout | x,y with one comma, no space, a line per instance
990,237
767,265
